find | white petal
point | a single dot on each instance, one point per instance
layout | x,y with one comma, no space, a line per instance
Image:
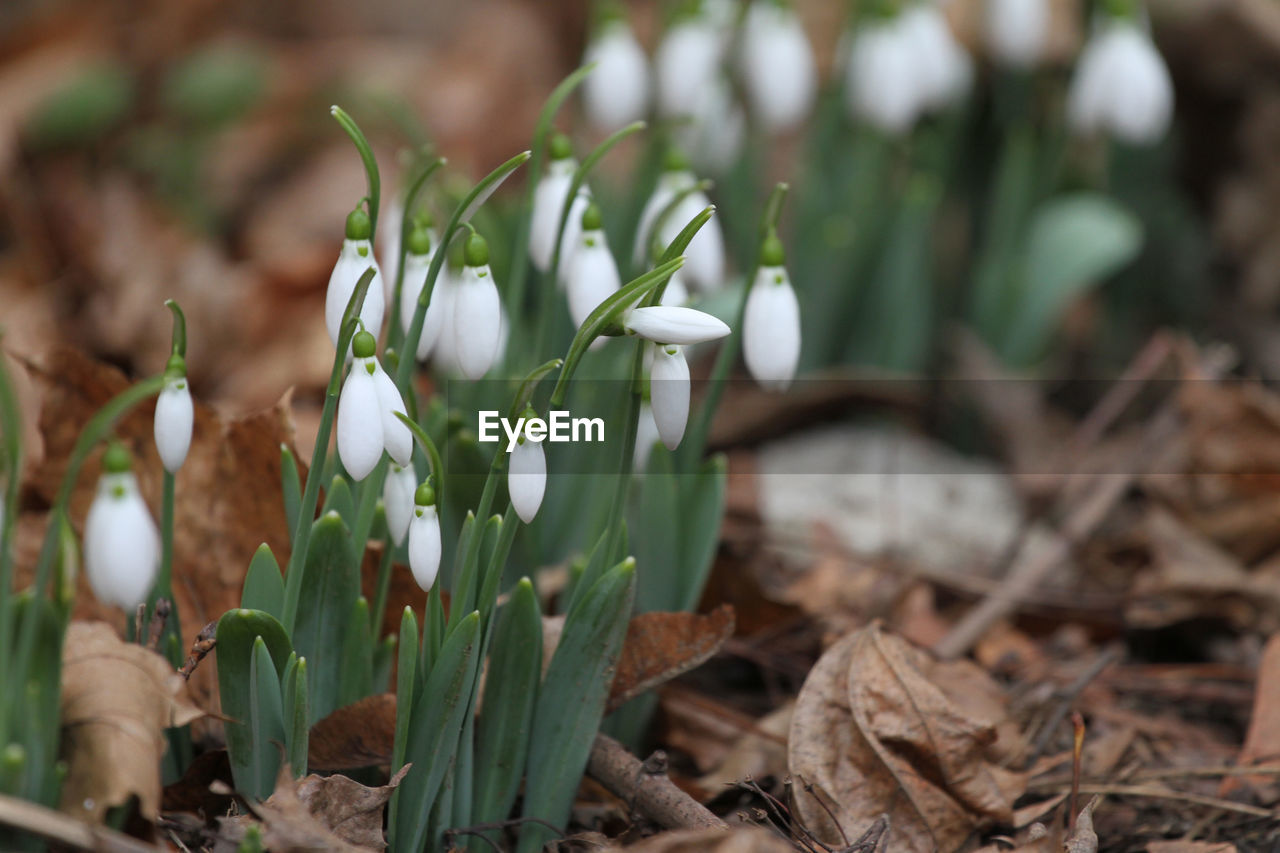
646,435
704,259
1142,97
359,424
121,543
669,394
592,276
397,500
444,296
882,86
415,277
943,68
1017,30
777,65
675,294
527,478
342,283
389,244
174,418
686,62
477,321
771,329
668,185
674,325
424,546
617,92
396,437
548,199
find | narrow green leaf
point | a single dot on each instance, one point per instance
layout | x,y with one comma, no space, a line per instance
263,583
291,486
356,677
324,609
700,531
407,684
340,500
298,721
266,723
237,634
384,653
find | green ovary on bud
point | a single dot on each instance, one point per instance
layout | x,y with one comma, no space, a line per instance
476,253
561,148
772,253
420,239
117,459
364,345
424,495
175,368
675,161
592,218
359,226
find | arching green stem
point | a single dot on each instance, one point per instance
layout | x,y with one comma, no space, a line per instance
394,335
370,164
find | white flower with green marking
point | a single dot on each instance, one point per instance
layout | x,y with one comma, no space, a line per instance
477,312
771,322
367,424
175,416
355,258
121,542
424,538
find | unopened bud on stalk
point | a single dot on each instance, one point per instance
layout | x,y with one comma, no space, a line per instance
121,542
527,476
367,424
356,257
548,199
175,415
424,538
477,312
771,322
669,393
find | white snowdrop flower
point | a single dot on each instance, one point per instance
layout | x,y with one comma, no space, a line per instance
943,68
664,324
397,500
777,64
422,249
686,63
175,416
477,312
715,136
675,294
356,257
445,351
881,82
771,322
646,435
616,93
704,259
424,539
367,424
527,477
389,254
592,273
1121,86
1017,31
669,393
121,542
548,199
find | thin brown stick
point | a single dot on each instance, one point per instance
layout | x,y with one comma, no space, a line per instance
200,647
1176,796
653,794
66,831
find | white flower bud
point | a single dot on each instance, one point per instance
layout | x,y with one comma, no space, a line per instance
477,321
881,85
685,64
777,64
397,500
359,424
415,277
548,199
771,329
445,351
617,92
175,415
674,325
1017,31
592,276
943,68
342,283
121,543
527,478
424,546
669,393
704,259
1121,86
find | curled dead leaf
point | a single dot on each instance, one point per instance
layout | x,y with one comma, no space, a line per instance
878,730
358,735
117,700
661,646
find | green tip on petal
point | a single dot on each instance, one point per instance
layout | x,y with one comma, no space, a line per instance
364,345
675,161
561,147
476,253
117,459
425,495
420,239
592,218
359,227
771,252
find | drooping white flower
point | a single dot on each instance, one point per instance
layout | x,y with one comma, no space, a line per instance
1017,31
881,85
771,322
424,538
665,324
686,62
944,71
646,435
548,200
367,424
121,542
389,245
445,352
777,65
1121,85
397,500
616,93
592,272
675,294
669,393
704,264
718,129
527,477
356,257
477,312
175,416
422,249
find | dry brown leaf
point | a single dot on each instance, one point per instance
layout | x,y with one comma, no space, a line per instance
1191,847
661,646
1262,742
876,734
358,735
117,700
737,840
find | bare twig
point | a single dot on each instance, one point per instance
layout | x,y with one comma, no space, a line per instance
1077,761
65,831
652,793
158,619
1067,698
1176,796
200,647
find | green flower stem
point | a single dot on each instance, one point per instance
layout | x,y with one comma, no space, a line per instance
630,426
384,585
179,328
394,335
311,492
11,429
538,150
164,583
464,576
433,454
695,442
462,213
370,165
